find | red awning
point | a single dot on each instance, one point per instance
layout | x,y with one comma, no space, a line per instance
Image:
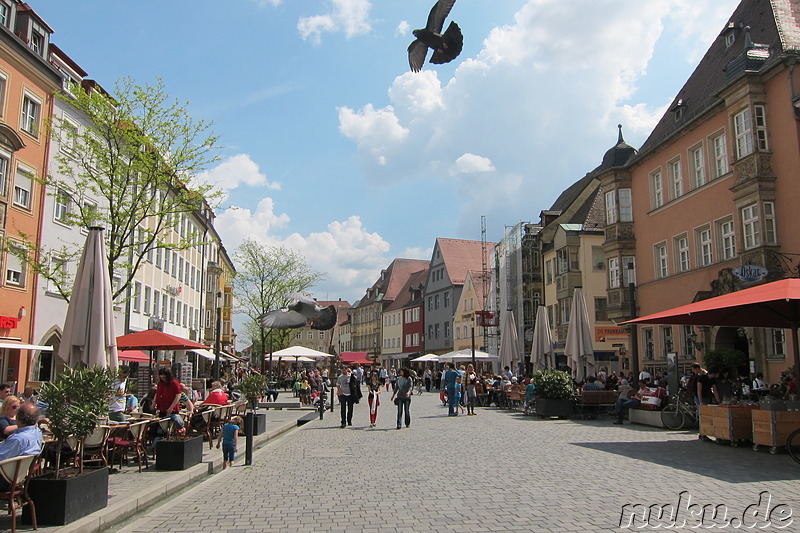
133,356
356,358
156,340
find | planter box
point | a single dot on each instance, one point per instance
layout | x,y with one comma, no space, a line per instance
772,428
61,501
547,408
179,454
260,425
732,423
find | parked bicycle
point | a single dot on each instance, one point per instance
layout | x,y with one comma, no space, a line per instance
678,413
793,445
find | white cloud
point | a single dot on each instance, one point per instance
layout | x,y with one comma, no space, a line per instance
472,164
235,171
402,28
265,3
350,17
376,131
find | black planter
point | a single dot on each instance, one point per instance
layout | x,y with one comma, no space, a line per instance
61,501
179,454
547,408
260,425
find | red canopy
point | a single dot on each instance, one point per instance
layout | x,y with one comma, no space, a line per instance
133,356
156,340
356,358
771,305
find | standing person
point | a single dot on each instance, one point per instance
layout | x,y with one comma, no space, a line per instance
345,398
116,407
229,437
168,397
375,386
383,375
428,377
360,373
450,386
472,380
403,395
393,378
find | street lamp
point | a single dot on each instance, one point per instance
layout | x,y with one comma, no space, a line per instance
634,330
218,340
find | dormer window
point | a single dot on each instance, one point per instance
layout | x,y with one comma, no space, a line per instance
5,14
730,38
37,42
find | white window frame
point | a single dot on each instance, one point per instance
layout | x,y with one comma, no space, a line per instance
777,343
611,207
657,188
726,231
22,195
147,301
61,205
751,226
676,178
58,268
698,163
5,165
614,278
705,246
625,205
628,274
682,263
743,131
720,145
30,114
770,233
760,125
137,296
3,86
15,266
661,254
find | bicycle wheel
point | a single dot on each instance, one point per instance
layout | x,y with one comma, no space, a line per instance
793,445
672,417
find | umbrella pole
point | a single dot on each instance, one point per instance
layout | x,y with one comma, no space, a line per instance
796,350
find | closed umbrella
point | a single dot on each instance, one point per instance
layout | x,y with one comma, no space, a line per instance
89,338
509,340
542,348
579,349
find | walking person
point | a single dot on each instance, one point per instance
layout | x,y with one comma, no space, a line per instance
428,377
375,386
229,438
472,380
393,379
449,380
346,399
402,397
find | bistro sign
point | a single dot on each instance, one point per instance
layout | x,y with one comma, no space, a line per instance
8,322
750,273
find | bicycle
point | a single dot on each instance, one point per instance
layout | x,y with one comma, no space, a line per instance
793,445
419,386
677,413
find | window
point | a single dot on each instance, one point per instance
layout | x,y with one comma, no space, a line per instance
682,253
447,299
61,209
430,303
4,159
760,113
778,343
5,14
172,310
31,111
613,273
625,206
611,207
562,261
89,214
687,341
164,306
743,129
727,239
58,272
698,166
649,352
69,135
720,155
628,270
147,299
447,330
548,271
37,42
667,343
657,189
22,188
436,301
600,310
705,246
751,232
436,329
564,307
310,335
156,300
769,223
185,315
2,77
676,178
662,261
15,265
137,296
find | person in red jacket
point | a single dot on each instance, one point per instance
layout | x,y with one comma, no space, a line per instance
217,396
168,396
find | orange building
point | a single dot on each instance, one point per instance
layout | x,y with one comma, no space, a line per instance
27,85
715,187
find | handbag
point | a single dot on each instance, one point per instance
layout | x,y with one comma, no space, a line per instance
397,401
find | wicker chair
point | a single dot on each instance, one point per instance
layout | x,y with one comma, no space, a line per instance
16,472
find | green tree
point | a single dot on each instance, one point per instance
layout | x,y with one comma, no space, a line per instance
265,275
129,170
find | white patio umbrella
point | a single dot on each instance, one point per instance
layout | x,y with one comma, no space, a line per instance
579,349
465,355
509,341
300,351
432,357
89,338
542,348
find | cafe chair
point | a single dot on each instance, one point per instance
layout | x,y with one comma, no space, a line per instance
16,472
94,447
132,442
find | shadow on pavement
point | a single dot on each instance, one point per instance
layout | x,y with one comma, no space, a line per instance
733,465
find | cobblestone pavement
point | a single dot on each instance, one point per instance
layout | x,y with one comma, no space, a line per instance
497,471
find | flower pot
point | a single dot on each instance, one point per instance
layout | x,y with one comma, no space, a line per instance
64,500
179,454
259,424
547,408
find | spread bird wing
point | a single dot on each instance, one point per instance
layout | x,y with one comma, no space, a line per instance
438,13
302,298
454,41
417,51
282,319
325,319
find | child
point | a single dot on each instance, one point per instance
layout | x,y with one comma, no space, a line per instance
229,436
458,394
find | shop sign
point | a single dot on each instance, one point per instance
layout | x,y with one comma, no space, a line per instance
750,273
608,334
8,322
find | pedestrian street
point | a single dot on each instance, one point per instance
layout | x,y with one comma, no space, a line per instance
497,471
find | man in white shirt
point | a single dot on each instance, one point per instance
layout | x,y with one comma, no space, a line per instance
116,408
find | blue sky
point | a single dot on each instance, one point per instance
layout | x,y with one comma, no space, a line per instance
332,147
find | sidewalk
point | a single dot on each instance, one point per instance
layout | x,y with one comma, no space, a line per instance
131,492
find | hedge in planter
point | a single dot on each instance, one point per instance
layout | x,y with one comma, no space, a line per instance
554,393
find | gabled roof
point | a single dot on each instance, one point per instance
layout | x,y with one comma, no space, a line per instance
460,256
392,280
406,296
479,282
773,24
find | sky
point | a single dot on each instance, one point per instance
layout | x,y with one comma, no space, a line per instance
332,147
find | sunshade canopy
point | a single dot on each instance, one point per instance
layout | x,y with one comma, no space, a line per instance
356,358
133,356
156,340
297,351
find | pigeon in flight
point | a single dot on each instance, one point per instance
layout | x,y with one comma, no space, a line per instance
300,311
446,46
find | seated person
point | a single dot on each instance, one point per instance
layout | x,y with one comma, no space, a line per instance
25,440
131,403
8,412
623,404
592,384
217,396
28,395
148,404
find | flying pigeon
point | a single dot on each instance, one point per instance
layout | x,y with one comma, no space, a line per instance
300,311
446,46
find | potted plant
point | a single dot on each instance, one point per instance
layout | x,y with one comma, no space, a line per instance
75,400
555,394
252,387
